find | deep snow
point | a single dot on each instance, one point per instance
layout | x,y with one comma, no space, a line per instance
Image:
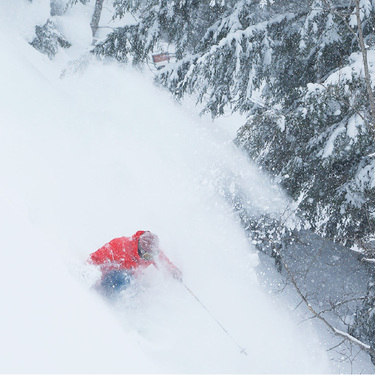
102,153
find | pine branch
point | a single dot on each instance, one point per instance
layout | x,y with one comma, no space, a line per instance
360,39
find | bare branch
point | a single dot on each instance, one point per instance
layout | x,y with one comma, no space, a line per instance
334,330
334,306
336,346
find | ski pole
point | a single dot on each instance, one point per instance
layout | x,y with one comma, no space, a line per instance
242,350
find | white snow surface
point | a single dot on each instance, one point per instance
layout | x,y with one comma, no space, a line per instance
101,154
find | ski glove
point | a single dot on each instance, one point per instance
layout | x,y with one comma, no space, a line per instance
177,274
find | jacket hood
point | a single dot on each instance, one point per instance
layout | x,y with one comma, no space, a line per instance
138,234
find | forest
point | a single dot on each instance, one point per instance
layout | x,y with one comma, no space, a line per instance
301,73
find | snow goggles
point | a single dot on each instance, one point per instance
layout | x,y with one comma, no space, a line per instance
146,255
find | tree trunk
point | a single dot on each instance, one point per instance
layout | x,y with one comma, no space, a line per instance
96,18
365,66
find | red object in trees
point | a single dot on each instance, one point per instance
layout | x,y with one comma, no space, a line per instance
160,57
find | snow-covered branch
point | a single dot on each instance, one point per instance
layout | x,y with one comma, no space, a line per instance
318,315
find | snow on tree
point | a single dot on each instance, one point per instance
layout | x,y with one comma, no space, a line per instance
48,39
58,7
315,134
314,131
180,23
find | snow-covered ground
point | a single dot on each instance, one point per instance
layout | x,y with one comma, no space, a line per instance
100,154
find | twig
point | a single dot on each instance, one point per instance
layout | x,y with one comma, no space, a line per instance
335,331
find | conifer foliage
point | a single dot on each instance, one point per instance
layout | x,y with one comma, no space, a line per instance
315,132
364,324
48,39
179,23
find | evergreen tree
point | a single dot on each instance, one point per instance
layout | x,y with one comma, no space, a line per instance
48,39
364,324
313,132
73,2
180,23
292,67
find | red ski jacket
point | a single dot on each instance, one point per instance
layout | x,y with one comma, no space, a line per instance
122,253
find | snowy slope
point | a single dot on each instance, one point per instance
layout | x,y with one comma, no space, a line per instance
101,154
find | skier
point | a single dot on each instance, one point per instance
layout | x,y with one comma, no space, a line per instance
123,259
